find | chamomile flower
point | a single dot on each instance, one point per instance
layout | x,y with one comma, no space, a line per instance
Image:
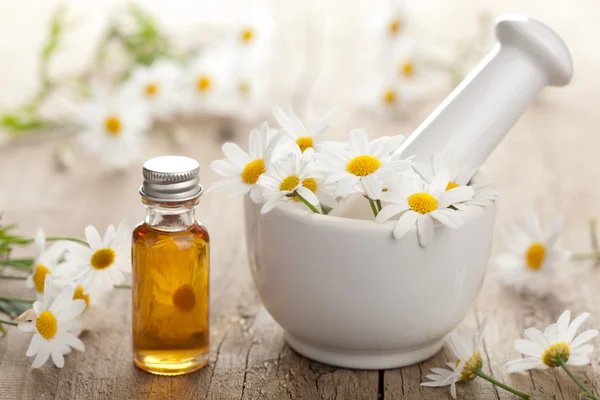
114,127
295,128
466,348
45,262
52,324
206,83
251,87
531,260
421,204
484,195
363,166
382,94
242,170
557,344
99,267
156,86
390,22
251,32
290,178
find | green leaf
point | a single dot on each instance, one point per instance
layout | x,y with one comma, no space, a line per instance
13,308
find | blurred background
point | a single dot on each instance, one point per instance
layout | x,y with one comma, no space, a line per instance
70,66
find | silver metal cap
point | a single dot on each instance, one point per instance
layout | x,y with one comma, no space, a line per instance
171,179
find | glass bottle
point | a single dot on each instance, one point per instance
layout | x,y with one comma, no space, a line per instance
170,274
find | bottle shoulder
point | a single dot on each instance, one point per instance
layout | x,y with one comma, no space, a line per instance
144,231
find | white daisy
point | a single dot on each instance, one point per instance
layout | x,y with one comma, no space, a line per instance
555,345
420,204
382,94
114,128
45,262
251,32
242,169
390,21
466,348
290,178
531,262
156,86
481,183
99,267
361,167
251,89
53,324
295,128
206,83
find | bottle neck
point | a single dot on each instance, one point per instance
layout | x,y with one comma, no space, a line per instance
170,217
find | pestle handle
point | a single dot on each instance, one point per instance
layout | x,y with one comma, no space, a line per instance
474,118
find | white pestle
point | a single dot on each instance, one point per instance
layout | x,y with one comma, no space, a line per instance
475,117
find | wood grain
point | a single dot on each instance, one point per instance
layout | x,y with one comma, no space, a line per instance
547,163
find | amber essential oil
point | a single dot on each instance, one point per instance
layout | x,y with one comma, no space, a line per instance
170,278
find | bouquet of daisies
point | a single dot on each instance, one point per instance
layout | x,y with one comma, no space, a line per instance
291,164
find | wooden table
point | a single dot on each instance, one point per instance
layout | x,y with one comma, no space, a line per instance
547,163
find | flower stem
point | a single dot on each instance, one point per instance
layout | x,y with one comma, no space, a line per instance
122,286
373,207
16,278
8,322
312,208
17,300
504,386
586,392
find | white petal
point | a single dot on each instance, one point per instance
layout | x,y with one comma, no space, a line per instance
425,230
109,235
551,332
455,195
270,204
528,348
447,217
346,185
458,347
71,340
574,326
63,299
359,142
584,337
439,183
236,155
42,357
405,223
47,296
225,168
525,364
563,324
553,232
534,227
372,186
583,349
40,242
72,311
57,358
93,237
34,346
389,211
308,196
536,336
578,360
255,194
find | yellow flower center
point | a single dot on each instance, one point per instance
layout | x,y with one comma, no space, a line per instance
556,353
310,184
79,295
151,89
535,256
451,185
103,258
389,97
469,371
363,165
422,203
203,83
407,69
252,171
244,88
184,298
304,142
113,126
46,325
39,277
394,26
289,183
246,35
